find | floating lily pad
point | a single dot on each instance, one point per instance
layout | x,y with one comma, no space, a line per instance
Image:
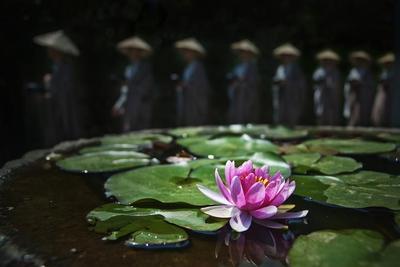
195,131
383,192
391,137
136,139
302,159
165,183
230,146
105,148
330,165
389,257
107,161
347,248
383,195
146,231
365,177
192,219
313,186
276,133
348,146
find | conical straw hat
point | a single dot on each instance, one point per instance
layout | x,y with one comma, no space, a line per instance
134,42
57,40
328,55
191,44
245,45
360,55
286,49
387,58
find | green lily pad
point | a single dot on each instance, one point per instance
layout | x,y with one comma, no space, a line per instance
348,146
389,257
365,177
347,248
145,231
106,161
276,133
230,146
192,219
105,148
165,183
195,131
302,159
135,139
391,137
313,186
384,191
383,195
330,165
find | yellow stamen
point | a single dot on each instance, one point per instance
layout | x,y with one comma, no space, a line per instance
262,180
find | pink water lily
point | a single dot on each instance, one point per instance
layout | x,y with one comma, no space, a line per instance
251,194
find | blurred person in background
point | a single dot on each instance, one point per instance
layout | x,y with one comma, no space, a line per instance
359,90
243,91
289,89
193,89
62,87
327,89
383,98
135,102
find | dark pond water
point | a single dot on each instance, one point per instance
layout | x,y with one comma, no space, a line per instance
43,211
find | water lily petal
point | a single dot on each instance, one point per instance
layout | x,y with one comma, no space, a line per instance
217,197
245,168
284,193
262,172
271,190
237,193
222,188
230,172
221,211
277,176
290,215
255,195
264,213
248,181
241,221
271,224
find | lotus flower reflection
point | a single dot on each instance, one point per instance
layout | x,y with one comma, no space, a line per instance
251,194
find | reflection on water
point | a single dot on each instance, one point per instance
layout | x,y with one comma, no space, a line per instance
259,246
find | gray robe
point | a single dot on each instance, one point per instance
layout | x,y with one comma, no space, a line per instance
289,92
65,104
139,99
192,96
381,112
244,94
359,97
327,96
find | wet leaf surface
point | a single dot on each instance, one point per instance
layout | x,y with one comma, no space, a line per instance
348,146
135,139
313,162
230,146
106,161
188,218
346,248
383,191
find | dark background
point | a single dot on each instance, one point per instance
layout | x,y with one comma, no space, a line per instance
96,26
